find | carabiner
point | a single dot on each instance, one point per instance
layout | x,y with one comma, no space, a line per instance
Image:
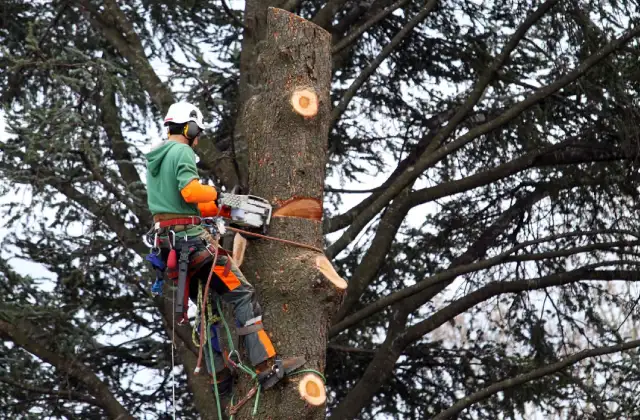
145,239
234,364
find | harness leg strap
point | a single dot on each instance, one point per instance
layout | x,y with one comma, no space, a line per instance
249,329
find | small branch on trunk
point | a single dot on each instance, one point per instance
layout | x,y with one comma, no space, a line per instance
485,393
345,191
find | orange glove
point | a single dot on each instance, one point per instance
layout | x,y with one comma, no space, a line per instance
210,209
195,192
205,196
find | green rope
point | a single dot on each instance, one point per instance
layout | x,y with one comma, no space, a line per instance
198,308
247,369
309,371
213,370
255,405
232,349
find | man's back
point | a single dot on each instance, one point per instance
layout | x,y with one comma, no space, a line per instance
170,167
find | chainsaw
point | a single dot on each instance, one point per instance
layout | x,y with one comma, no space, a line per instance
256,210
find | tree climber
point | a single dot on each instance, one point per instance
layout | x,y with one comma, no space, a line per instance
178,203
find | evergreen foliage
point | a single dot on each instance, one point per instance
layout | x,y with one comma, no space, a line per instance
500,236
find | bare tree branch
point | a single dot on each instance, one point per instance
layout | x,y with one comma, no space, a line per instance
118,30
455,271
435,283
111,124
431,157
382,365
485,393
573,251
565,153
65,394
499,288
371,68
384,361
375,255
353,36
232,15
369,265
327,12
343,220
21,333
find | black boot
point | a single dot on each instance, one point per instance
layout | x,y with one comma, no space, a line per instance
274,370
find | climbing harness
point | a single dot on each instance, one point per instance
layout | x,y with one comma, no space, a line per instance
190,260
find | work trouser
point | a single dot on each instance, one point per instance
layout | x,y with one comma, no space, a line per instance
231,285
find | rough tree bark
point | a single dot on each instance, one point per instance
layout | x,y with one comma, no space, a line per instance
287,155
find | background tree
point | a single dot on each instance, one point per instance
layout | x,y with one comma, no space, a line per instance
491,250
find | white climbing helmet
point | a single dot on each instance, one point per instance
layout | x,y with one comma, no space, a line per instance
182,112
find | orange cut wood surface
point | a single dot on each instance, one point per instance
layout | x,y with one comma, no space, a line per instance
312,390
305,208
326,268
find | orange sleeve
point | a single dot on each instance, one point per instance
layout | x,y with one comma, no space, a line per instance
195,192
210,209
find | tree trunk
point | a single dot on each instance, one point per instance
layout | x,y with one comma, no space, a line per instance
287,155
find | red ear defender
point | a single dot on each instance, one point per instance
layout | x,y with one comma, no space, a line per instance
172,260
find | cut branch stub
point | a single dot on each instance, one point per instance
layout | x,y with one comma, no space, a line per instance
239,246
326,268
312,389
305,208
305,102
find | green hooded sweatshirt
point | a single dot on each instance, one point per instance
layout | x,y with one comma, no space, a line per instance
170,167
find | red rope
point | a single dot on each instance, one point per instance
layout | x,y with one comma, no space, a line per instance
271,238
203,324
